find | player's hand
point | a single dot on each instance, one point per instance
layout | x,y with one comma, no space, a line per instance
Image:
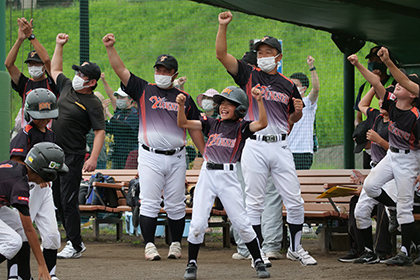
25,26
256,93
353,59
356,177
102,76
182,80
310,60
43,272
109,40
383,54
373,136
90,165
298,104
45,184
62,39
225,18
106,103
180,99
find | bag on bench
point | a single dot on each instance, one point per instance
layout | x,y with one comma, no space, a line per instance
108,195
133,200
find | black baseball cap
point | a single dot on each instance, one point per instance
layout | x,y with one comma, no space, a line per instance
359,136
90,69
373,51
268,40
33,56
168,61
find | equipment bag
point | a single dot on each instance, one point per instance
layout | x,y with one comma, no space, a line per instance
108,195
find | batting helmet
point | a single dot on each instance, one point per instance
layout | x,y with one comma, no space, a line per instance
236,96
40,103
47,160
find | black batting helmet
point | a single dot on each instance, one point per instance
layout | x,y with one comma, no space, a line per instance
47,160
40,103
236,96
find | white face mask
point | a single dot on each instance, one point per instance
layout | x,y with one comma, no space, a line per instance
121,104
163,81
36,71
301,90
267,63
207,104
78,83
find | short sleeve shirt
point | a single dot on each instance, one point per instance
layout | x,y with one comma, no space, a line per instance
402,124
277,93
158,113
226,139
78,113
14,188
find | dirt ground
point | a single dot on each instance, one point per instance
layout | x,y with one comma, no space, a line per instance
108,259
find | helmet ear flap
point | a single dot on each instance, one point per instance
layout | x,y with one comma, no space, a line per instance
26,115
240,111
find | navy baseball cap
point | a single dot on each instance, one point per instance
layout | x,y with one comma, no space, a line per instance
359,136
374,51
90,69
33,56
268,40
168,61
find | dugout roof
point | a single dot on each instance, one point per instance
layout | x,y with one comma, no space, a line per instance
392,23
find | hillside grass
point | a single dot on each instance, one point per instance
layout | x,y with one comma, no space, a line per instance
187,30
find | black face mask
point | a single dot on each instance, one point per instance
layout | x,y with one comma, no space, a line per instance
376,66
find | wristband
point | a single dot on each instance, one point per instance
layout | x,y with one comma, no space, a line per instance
312,69
31,37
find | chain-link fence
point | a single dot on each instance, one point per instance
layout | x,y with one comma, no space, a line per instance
186,30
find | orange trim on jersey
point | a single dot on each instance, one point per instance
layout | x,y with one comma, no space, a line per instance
6,165
286,78
17,150
27,128
142,104
415,111
23,198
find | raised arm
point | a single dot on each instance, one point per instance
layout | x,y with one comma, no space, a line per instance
109,92
372,79
262,115
398,75
115,60
57,59
182,120
228,60
297,114
313,95
13,70
39,48
365,102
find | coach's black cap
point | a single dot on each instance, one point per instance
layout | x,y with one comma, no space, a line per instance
90,69
168,61
33,56
359,136
271,41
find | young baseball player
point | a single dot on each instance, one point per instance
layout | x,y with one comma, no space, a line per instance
267,151
401,162
41,106
161,146
42,164
226,139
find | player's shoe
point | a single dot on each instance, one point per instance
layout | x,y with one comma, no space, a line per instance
54,277
301,255
401,259
274,255
393,222
383,256
151,253
237,256
262,271
368,257
69,252
174,251
190,272
417,261
264,259
351,256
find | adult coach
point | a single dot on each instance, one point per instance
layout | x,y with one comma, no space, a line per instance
80,110
267,151
162,163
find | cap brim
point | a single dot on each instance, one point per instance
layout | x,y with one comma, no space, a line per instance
46,114
36,60
359,147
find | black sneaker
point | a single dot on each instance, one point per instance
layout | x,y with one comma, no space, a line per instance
367,257
401,259
383,256
262,271
190,272
351,256
417,261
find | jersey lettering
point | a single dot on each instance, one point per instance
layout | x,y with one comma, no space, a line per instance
17,150
274,95
6,165
398,132
160,103
217,140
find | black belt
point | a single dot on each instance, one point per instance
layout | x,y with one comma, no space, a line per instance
269,138
218,166
395,150
166,153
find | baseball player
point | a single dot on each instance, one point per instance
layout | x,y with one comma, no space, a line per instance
41,105
267,151
401,162
162,162
42,164
226,139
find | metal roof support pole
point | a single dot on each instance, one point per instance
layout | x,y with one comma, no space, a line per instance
348,45
84,30
5,89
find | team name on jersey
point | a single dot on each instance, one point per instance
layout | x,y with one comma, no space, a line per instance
6,165
398,132
161,103
272,95
217,140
